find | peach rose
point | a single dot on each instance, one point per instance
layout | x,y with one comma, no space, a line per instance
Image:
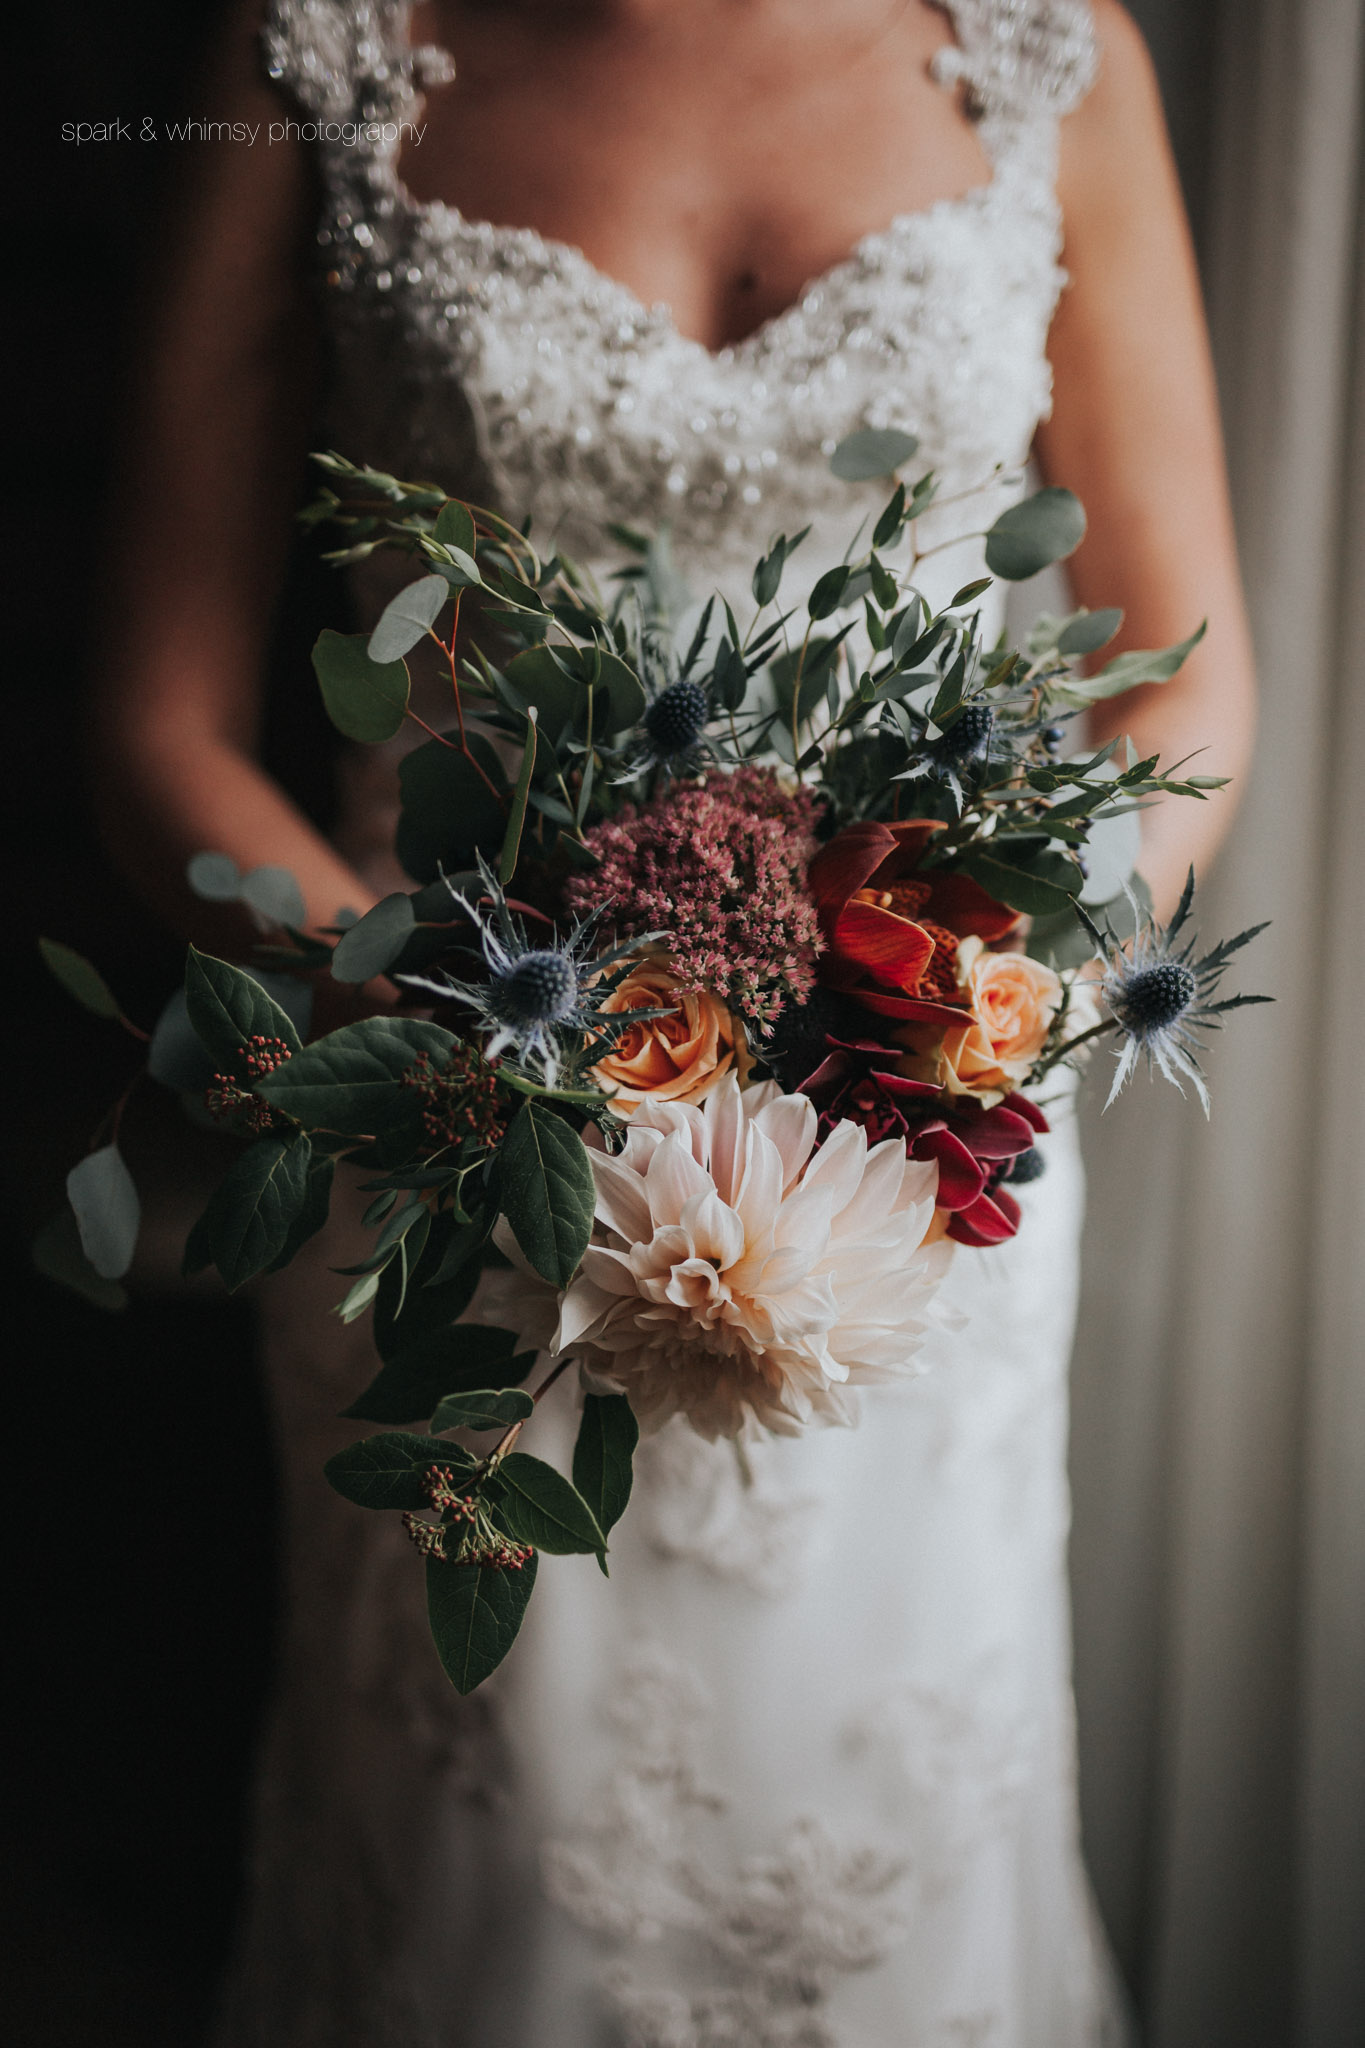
676,1058
1014,1000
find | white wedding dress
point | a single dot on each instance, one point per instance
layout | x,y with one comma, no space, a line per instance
802,1774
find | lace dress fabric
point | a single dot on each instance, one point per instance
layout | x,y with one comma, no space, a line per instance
802,1774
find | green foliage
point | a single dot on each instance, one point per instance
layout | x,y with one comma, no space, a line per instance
227,1008
1128,671
108,1214
538,1506
373,943
1043,529
390,1471
547,1191
483,1408
602,1458
475,1612
871,453
449,810
458,1359
256,1206
351,1080
79,978
366,700
408,618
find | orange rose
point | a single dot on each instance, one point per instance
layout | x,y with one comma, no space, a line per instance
676,1058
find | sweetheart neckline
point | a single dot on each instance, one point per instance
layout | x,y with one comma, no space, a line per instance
661,312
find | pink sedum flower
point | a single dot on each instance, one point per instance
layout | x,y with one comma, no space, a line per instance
739,1272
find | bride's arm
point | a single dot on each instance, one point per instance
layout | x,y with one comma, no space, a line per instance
1135,432
211,472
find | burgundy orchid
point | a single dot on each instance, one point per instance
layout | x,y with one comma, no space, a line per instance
972,1145
890,930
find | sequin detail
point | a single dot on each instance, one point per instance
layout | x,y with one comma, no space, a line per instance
511,368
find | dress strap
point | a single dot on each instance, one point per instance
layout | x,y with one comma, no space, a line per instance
349,60
1020,59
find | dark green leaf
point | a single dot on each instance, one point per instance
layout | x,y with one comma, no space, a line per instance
228,1007
619,699
108,1213
1043,529
889,525
828,592
537,1505
79,978
448,809
350,1081
467,1356
969,591
375,941
256,1205
516,817
731,678
1043,888
388,1471
873,452
548,1194
366,700
484,1408
317,1197
475,1613
602,1471
407,618
455,526
539,679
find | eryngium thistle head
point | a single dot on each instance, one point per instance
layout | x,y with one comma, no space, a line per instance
967,738
539,989
1152,998
677,717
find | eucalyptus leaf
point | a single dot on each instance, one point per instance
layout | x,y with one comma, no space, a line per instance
483,1408
619,697
547,1191
1087,632
374,942
475,1612
107,1211
1040,890
214,877
59,1255
366,700
449,811
872,452
1029,536
275,894
1127,671
79,978
516,817
454,526
408,618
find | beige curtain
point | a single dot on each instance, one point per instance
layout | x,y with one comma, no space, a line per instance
1219,1440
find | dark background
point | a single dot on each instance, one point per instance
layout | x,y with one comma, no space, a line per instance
140,1507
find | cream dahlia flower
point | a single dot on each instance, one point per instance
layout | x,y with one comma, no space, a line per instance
735,1270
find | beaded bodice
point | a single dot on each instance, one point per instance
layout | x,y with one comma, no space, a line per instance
509,368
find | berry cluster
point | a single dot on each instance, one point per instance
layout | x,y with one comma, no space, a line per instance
461,1101
464,1518
234,1101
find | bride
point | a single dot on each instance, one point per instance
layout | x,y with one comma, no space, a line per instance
804,1773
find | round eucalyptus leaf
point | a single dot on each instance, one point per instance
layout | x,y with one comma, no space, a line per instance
214,877
873,452
176,1056
79,977
275,894
366,700
409,617
104,1199
1043,529
455,526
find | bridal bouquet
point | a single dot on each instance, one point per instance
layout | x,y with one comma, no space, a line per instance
739,950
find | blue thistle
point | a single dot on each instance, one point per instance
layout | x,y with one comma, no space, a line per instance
1160,996
537,996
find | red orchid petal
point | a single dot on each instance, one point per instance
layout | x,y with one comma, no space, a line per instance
911,1009
833,1067
1021,1106
903,857
966,909
845,864
997,1133
890,948
990,1220
960,1178
900,1084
